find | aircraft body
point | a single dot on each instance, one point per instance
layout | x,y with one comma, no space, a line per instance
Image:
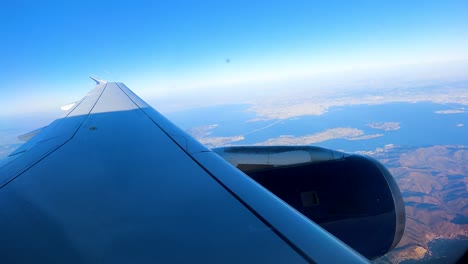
114,181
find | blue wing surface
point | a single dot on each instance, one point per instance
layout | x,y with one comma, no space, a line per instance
114,181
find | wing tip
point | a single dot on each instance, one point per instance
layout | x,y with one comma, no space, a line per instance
98,81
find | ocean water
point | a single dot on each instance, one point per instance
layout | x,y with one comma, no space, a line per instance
419,124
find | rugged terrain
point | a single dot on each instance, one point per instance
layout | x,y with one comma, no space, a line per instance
434,185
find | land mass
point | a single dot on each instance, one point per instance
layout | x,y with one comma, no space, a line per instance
317,102
347,133
434,184
386,126
451,111
203,134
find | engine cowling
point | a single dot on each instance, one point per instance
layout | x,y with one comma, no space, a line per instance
353,197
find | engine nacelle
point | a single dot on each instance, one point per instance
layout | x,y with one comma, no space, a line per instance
353,197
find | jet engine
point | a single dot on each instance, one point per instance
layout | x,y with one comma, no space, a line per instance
353,197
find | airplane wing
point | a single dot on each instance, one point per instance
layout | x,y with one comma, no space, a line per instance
116,182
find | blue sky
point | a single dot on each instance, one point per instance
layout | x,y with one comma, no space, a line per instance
48,48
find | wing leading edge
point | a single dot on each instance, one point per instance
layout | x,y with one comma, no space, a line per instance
115,181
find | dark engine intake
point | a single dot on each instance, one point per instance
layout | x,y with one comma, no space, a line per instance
353,197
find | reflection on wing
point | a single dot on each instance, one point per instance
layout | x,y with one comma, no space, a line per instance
114,181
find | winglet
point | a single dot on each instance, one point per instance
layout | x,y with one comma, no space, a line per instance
97,80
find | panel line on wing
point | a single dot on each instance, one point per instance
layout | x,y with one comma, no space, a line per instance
10,179
247,206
